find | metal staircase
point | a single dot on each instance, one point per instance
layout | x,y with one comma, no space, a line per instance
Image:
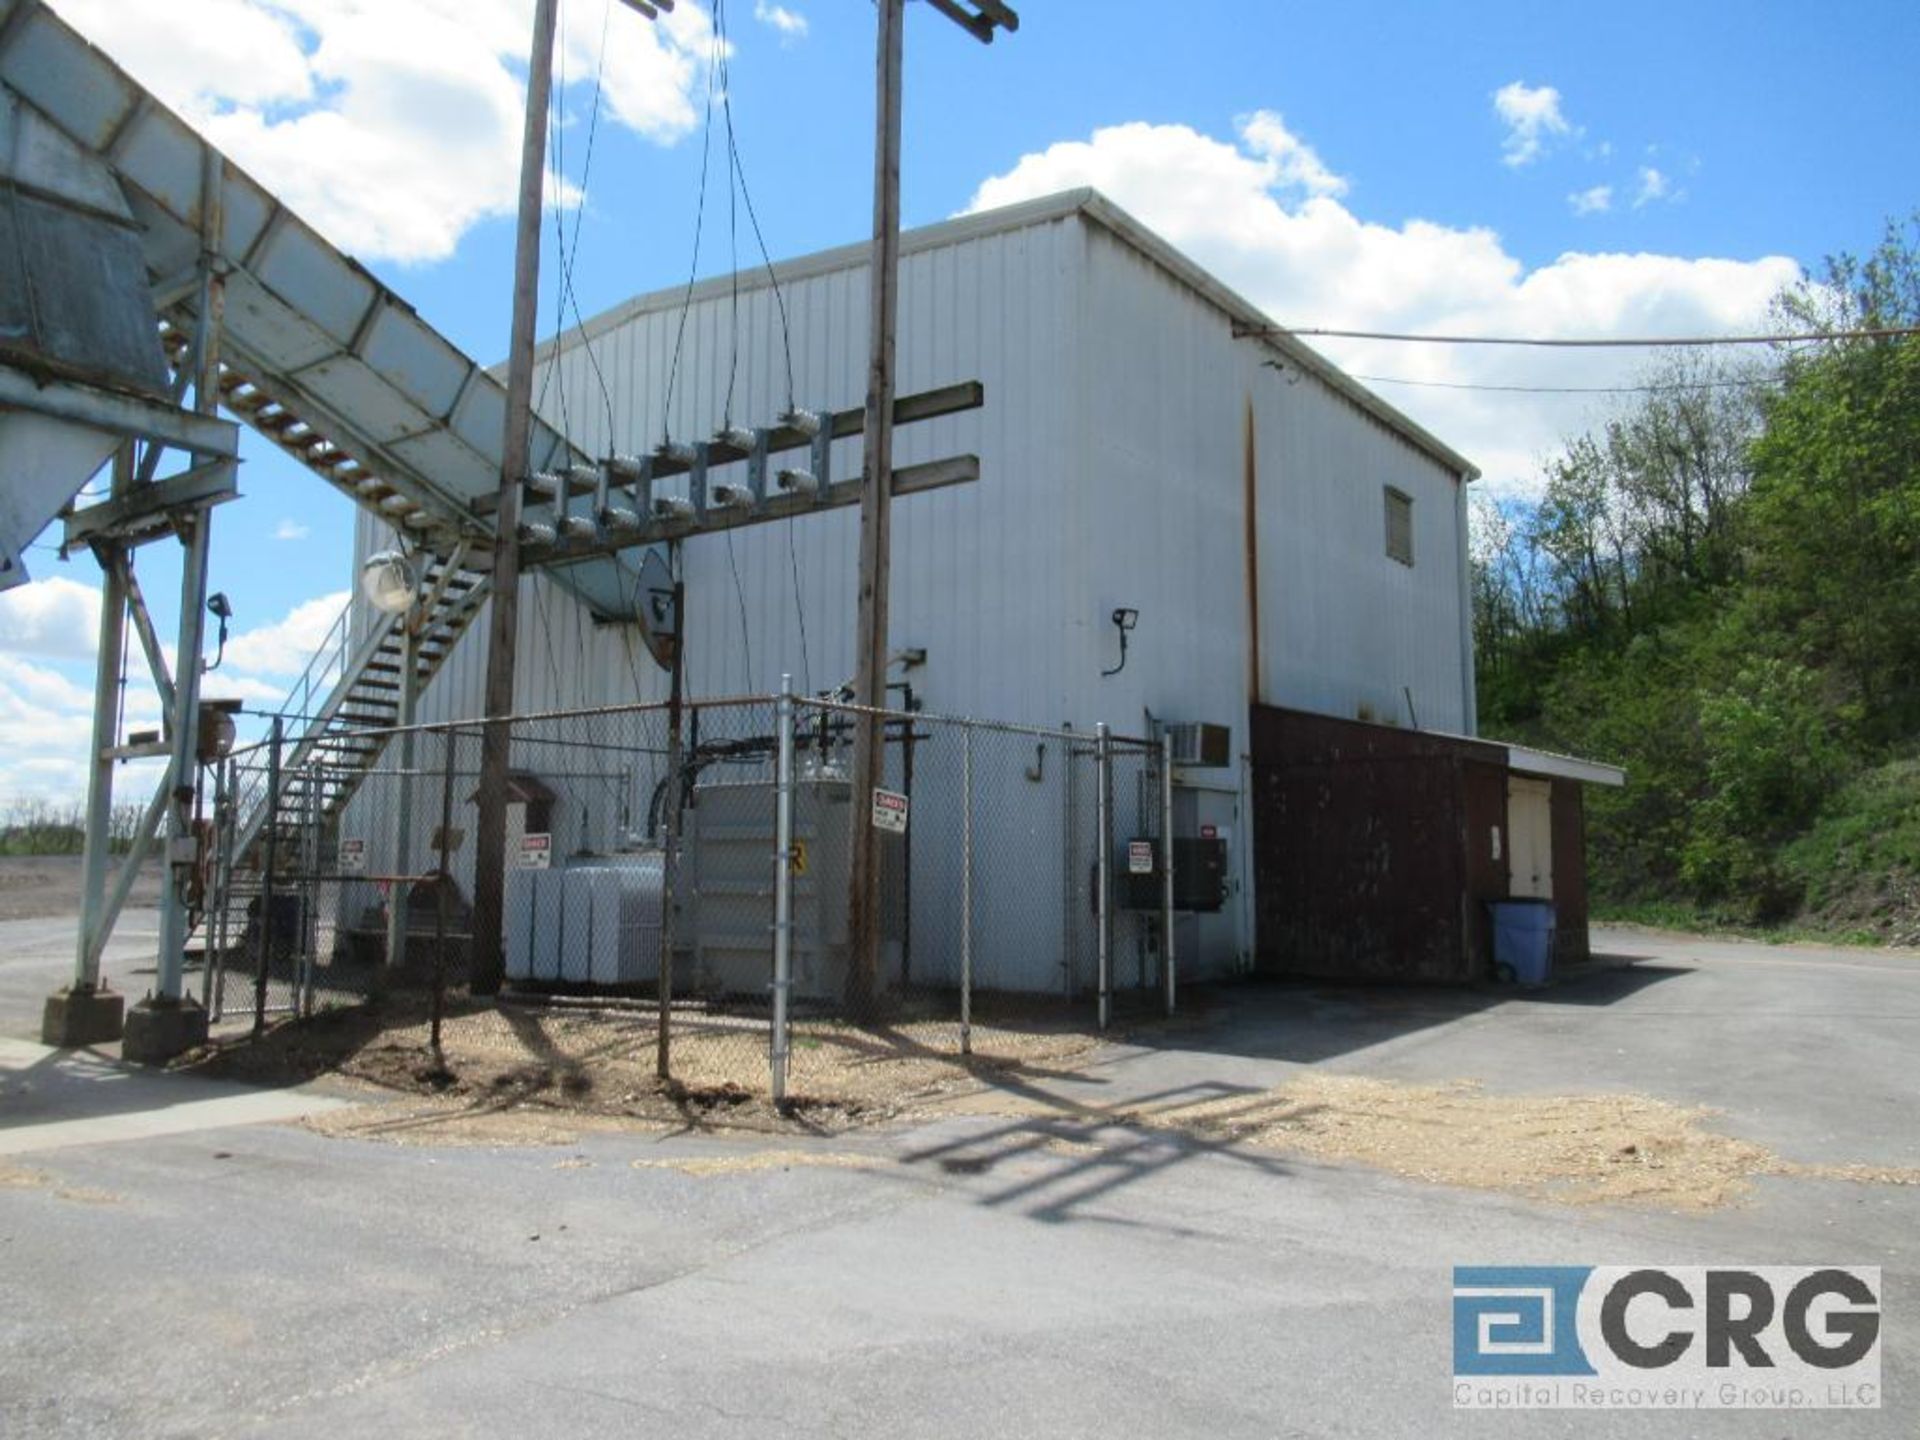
344,704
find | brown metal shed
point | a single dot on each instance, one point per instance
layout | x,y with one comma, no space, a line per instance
1376,849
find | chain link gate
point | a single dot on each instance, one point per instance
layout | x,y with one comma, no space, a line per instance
676,895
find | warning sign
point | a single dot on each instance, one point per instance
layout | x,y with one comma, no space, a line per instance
890,811
536,852
353,857
1140,857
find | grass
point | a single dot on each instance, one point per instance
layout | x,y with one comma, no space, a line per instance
1705,920
1856,867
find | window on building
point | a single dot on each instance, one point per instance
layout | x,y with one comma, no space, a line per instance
1399,526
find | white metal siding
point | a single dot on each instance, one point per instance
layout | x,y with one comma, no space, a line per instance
1111,475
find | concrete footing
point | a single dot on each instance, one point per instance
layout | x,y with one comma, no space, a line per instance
75,1017
158,1030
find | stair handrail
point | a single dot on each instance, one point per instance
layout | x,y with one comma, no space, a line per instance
250,804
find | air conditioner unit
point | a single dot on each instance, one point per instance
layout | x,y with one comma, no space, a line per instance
1202,745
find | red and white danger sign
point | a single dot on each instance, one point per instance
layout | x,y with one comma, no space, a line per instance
536,852
890,811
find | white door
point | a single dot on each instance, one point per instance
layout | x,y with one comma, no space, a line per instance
1530,837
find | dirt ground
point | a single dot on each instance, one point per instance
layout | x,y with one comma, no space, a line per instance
535,1075
43,887
542,1074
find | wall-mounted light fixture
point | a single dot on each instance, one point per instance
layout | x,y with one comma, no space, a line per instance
388,582
1124,619
222,610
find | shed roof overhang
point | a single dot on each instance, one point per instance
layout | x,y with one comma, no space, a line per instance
1563,767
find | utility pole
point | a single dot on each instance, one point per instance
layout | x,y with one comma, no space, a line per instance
876,522
876,480
490,850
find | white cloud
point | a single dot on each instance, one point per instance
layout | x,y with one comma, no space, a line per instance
46,709
283,646
291,529
1295,163
393,125
1310,261
791,24
56,618
44,725
1596,200
1533,120
1654,186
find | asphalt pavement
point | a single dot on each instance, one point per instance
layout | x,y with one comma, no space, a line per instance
227,1275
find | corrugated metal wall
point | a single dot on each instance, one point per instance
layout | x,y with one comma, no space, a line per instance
1112,474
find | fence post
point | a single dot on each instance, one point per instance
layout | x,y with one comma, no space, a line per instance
669,877
966,890
310,891
213,917
443,884
265,898
1166,866
1103,890
782,886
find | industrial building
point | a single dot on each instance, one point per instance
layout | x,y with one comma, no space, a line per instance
1125,498
1180,518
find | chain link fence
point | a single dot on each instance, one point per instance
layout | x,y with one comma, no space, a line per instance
676,894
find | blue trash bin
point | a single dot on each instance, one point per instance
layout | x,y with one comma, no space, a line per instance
1523,939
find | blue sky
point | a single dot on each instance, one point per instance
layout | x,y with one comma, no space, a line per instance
1548,169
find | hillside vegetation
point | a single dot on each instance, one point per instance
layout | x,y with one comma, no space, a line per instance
1720,590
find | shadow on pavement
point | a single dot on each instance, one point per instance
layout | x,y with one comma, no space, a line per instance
1309,1021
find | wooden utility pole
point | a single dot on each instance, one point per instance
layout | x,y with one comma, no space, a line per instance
490,850
876,495
876,479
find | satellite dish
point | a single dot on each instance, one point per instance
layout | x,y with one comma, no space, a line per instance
388,582
659,617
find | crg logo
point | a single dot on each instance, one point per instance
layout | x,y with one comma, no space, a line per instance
1666,1336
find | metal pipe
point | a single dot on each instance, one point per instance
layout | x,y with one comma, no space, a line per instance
1103,885
214,989
670,860
966,891
106,708
310,890
264,940
399,888
1166,867
442,886
185,759
782,887
1469,696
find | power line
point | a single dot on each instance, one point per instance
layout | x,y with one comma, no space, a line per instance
693,266
1658,389
1888,332
570,248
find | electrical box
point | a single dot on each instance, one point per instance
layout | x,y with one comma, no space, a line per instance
1199,877
1201,745
1199,874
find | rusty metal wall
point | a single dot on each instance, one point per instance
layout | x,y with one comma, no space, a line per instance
1569,873
1371,852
